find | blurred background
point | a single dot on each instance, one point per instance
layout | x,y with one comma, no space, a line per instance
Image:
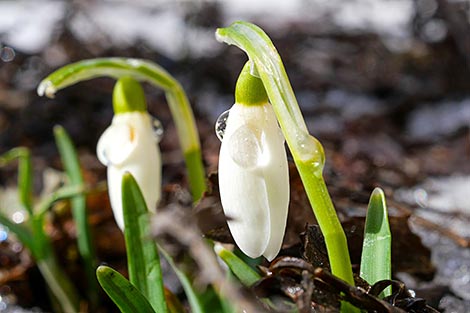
384,85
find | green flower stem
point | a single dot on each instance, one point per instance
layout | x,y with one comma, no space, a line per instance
71,165
307,151
148,72
376,258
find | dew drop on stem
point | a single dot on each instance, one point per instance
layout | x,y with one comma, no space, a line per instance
221,124
157,129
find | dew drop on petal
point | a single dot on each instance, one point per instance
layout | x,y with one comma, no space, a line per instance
221,124
157,129
104,158
245,148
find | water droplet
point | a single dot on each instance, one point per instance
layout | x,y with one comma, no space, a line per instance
3,233
7,54
421,197
310,150
221,124
18,217
253,69
157,129
245,148
104,158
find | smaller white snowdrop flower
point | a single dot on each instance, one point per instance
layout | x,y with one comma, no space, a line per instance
129,145
253,171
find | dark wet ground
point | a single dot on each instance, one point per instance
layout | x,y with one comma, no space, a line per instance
387,118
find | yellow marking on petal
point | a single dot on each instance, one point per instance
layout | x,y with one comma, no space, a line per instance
131,133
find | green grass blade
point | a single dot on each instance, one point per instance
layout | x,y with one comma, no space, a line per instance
60,285
125,295
148,72
376,250
142,256
86,249
62,193
193,298
240,269
25,174
23,233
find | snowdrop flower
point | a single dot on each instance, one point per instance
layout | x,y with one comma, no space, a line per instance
253,171
129,145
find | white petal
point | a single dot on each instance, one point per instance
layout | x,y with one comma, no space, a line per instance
254,180
140,156
116,144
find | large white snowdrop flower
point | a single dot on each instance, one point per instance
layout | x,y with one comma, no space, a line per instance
129,145
253,171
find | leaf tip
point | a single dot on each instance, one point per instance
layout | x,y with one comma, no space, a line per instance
378,193
46,88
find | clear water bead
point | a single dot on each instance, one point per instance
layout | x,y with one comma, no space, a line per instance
7,54
245,147
158,130
221,124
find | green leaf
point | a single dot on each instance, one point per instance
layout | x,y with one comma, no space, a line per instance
142,256
25,174
23,233
125,295
376,250
240,269
71,165
193,298
62,193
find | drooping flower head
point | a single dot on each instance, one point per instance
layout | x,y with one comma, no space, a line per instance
253,171
129,145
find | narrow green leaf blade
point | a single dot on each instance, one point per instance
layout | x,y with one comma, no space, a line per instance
25,174
23,233
86,249
240,269
125,295
376,249
193,298
142,256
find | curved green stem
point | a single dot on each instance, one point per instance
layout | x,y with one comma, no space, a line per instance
148,72
307,151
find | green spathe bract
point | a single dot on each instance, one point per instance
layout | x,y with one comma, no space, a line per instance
376,250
